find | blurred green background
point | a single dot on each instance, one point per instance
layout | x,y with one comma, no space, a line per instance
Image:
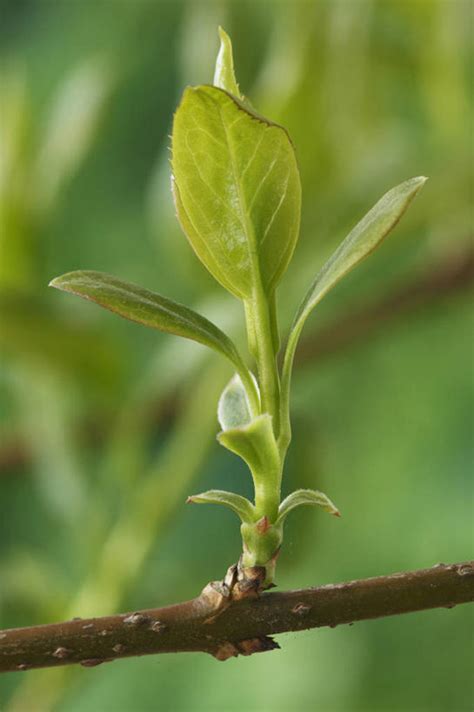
106,427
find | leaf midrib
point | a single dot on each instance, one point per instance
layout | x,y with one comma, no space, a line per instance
247,224
153,301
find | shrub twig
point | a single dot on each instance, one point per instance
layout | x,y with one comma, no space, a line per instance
215,623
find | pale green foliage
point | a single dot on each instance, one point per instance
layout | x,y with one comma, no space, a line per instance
253,442
150,309
236,188
240,505
238,197
360,242
233,410
145,307
302,497
224,75
256,444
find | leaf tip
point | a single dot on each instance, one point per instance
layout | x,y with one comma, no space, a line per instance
56,283
414,185
420,181
223,36
69,280
224,75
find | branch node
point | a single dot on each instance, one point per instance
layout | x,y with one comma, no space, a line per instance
250,582
62,653
257,645
465,570
247,647
225,651
136,619
93,662
215,597
301,609
263,525
158,626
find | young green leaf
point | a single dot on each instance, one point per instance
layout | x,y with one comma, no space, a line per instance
236,188
253,442
240,505
151,309
233,410
360,242
224,75
306,496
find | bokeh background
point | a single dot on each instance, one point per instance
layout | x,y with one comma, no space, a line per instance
106,427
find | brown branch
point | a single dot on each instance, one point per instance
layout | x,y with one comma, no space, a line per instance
217,624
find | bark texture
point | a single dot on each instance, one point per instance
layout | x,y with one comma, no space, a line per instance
226,621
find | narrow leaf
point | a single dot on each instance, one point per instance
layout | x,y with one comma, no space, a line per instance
147,308
224,75
233,410
361,241
306,496
236,189
240,505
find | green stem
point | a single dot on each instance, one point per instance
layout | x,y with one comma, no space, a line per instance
261,344
261,542
284,437
267,487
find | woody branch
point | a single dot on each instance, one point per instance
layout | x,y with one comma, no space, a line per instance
216,623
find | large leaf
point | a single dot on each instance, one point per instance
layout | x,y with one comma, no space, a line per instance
237,189
360,242
240,505
153,310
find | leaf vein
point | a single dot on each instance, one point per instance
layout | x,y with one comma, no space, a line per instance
280,202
